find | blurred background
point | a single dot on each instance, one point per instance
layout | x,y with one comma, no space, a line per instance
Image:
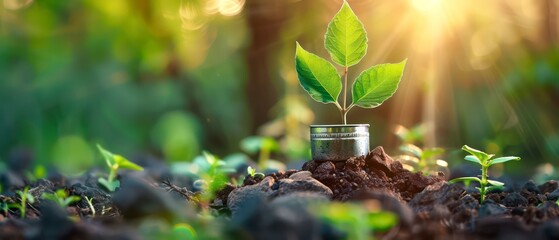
172,78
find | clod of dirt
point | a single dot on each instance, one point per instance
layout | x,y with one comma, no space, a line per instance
302,182
377,170
490,208
553,196
548,186
136,198
530,186
514,200
241,198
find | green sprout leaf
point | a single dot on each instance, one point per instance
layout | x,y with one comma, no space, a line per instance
317,76
346,38
431,152
483,157
376,84
412,149
108,156
111,186
503,160
251,171
473,158
495,183
124,163
465,179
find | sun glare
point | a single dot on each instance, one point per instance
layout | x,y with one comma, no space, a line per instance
426,5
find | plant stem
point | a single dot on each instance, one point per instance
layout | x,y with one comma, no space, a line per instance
344,106
112,173
483,184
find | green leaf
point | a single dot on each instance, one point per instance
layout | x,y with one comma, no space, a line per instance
376,84
465,179
473,158
346,38
254,144
251,171
70,200
483,157
124,163
111,186
30,198
382,221
61,193
495,183
431,152
317,76
410,148
503,160
108,156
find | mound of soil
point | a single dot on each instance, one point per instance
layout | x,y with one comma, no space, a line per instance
376,171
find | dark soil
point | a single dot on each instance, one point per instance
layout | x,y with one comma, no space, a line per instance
275,206
430,208
376,171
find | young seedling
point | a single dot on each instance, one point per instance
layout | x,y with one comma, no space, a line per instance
346,42
115,162
485,161
25,197
264,146
423,159
90,203
252,172
61,198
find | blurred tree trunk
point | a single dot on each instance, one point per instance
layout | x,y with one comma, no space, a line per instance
265,20
549,24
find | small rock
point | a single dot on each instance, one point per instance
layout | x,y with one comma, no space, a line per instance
302,182
326,168
299,199
302,175
438,193
490,208
239,198
379,159
548,186
515,200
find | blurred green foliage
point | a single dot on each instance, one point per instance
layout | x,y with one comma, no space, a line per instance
170,78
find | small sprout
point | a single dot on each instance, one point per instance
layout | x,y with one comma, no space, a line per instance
25,197
252,172
485,161
422,159
90,203
115,162
264,146
61,198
